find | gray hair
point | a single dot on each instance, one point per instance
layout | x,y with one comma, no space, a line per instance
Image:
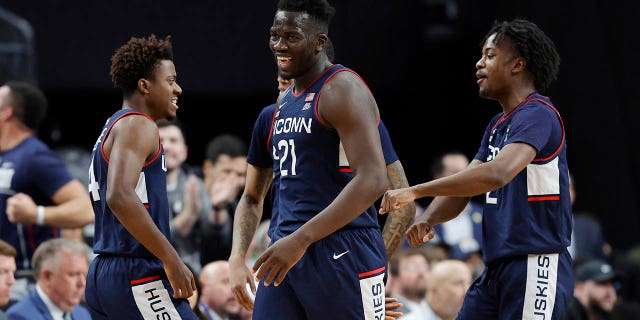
47,253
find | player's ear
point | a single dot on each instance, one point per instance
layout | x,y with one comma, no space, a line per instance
519,65
143,85
321,42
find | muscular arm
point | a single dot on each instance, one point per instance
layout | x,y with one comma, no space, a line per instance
444,208
398,221
132,141
249,210
349,108
482,177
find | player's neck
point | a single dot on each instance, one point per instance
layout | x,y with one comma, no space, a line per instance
304,81
515,97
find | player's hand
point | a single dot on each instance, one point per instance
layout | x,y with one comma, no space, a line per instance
277,260
180,278
391,304
396,199
22,209
419,233
239,278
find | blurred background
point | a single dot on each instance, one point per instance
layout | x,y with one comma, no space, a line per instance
417,56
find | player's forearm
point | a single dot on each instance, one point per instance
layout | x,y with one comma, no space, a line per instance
443,209
246,219
398,221
467,183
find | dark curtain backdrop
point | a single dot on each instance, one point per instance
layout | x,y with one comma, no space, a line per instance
417,56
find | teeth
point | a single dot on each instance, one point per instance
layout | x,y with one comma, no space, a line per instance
283,58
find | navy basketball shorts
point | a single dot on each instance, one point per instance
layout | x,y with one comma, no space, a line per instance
340,277
537,286
132,288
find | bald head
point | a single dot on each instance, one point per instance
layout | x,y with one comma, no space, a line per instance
216,291
448,284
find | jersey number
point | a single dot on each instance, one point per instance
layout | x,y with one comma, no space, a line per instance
93,184
286,148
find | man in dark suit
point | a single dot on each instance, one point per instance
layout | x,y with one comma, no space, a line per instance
60,267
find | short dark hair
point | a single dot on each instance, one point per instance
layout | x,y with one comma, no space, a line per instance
320,10
531,43
29,103
137,59
228,144
172,122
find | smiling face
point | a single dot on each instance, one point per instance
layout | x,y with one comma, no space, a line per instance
494,68
163,90
294,42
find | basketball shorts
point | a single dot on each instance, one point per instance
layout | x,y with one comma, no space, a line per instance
340,277
132,288
537,286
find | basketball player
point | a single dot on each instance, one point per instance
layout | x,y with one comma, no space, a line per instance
521,166
327,255
137,273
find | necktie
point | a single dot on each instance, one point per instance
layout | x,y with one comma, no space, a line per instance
66,316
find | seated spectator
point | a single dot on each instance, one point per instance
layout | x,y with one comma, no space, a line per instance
446,288
224,169
60,267
594,295
216,299
410,269
7,269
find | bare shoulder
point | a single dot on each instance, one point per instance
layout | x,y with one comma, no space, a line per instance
345,95
134,132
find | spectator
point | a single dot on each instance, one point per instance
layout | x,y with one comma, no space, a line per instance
60,267
7,269
216,298
37,194
224,169
409,268
447,285
189,203
594,295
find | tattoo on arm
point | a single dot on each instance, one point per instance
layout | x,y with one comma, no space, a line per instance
398,221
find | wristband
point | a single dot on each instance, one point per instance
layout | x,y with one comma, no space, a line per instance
40,219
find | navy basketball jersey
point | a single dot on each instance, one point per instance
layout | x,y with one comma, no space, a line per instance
310,159
31,168
532,213
110,235
259,154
